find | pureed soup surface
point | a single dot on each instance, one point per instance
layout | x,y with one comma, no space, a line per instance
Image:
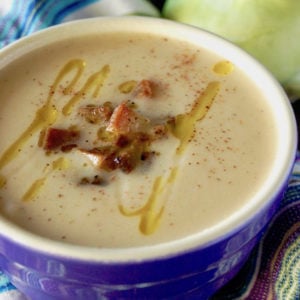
125,140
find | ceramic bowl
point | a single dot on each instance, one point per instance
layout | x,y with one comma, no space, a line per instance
194,266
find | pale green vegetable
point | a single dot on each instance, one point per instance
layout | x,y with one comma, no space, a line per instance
268,29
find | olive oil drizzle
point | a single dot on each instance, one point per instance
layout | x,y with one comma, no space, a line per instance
34,189
2,181
59,164
92,85
223,67
183,130
127,86
152,211
47,114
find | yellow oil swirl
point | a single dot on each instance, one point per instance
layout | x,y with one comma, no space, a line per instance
223,67
152,211
184,129
2,181
34,189
47,114
92,85
59,164
127,86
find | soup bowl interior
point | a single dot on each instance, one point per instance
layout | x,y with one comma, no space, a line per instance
195,265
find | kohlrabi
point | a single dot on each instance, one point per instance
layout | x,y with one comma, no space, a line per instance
268,29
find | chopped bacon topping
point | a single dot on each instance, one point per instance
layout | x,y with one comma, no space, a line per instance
122,141
128,145
97,114
123,136
125,120
56,138
145,88
97,155
110,159
68,147
142,89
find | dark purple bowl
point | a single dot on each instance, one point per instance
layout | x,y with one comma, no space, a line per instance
193,267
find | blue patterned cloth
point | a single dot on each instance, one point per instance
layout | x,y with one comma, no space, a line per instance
19,18
273,270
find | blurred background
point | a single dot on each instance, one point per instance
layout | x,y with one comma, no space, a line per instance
158,3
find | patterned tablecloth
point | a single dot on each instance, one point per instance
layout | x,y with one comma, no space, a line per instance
273,269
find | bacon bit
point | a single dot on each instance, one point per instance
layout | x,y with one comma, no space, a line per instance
55,138
97,155
68,148
96,114
125,120
102,158
126,162
84,180
145,88
122,141
109,159
128,145
96,180
110,162
147,155
124,134
142,138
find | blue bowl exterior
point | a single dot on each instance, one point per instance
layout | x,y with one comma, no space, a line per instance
197,273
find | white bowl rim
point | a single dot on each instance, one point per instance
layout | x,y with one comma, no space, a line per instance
173,29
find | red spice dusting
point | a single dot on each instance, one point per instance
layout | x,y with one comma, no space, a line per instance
145,88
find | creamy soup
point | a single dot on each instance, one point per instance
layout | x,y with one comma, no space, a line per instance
125,140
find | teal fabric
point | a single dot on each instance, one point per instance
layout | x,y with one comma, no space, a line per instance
22,17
